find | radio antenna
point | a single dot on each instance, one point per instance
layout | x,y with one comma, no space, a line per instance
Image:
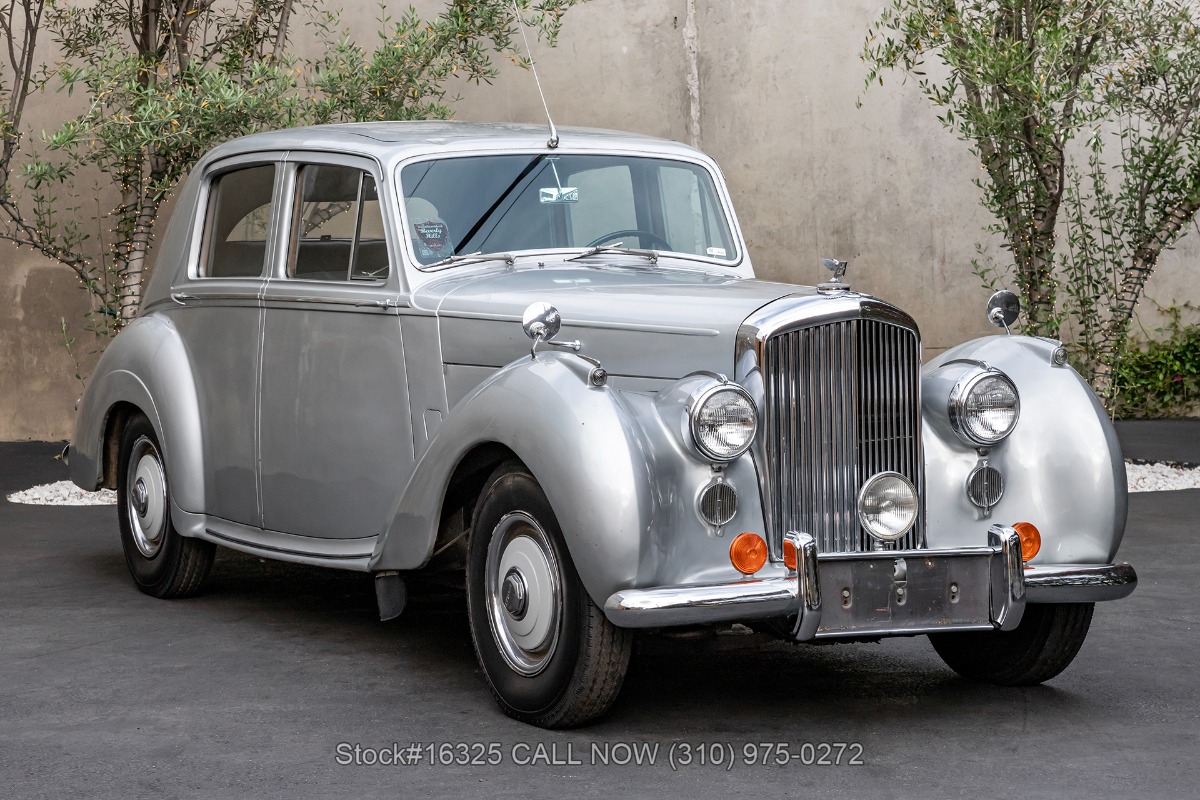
553,143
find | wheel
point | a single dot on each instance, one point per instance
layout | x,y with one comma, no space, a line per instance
1042,645
550,656
642,235
162,563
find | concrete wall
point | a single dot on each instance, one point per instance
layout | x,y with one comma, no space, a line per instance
768,87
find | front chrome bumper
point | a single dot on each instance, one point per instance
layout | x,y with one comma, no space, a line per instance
882,593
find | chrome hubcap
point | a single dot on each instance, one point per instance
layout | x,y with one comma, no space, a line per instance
146,497
514,593
141,497
524,593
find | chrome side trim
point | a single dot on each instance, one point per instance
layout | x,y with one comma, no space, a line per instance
182,298
276,300
633,327
1079,583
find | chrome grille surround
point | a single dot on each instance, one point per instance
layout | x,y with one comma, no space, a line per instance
837,382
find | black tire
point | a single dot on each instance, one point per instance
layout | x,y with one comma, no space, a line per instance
1043,645
574,673
162,563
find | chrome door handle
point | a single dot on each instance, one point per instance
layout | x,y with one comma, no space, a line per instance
389,303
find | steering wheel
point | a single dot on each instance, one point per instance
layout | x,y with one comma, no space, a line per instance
654,238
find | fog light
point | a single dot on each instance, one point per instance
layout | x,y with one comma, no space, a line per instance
985,486
1031,539
887,506
748,552
718,503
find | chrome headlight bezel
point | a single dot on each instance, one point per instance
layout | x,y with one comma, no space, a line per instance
695,405
959,415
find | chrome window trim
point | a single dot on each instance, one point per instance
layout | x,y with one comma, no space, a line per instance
293,162
200,226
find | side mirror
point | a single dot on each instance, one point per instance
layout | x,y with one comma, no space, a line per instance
1003,308
541,321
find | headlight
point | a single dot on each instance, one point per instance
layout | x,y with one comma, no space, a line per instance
887,506
723,421
984,407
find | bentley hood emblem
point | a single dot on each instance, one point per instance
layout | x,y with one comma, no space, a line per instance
838,268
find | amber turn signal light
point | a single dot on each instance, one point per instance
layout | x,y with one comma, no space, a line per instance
1031,539
789,554
748,552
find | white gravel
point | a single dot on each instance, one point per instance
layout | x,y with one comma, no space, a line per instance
1161,476
63,493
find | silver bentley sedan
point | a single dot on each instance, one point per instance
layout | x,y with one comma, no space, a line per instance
547,366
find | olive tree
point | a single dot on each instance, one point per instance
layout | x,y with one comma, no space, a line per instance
162,81
1083,115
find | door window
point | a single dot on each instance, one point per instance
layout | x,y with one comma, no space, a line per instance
337,227
238,223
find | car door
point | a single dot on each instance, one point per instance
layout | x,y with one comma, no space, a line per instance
219,316
335,431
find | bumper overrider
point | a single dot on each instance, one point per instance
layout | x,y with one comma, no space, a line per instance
882,593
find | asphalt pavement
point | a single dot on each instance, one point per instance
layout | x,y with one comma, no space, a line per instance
261,685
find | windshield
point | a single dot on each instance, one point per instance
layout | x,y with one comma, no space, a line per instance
509,203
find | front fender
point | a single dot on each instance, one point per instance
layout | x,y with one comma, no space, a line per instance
579,441
1062,464
146,366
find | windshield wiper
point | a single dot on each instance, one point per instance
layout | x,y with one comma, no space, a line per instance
524,175
472,258
652,255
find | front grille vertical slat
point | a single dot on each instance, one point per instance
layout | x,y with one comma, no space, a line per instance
846,390
842,405
811,430
824,412
787,382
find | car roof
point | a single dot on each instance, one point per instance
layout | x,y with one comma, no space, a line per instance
391,140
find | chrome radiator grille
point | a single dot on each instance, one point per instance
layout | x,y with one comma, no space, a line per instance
842,404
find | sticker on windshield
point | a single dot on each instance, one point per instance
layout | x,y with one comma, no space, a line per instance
432,234
716,252
561,194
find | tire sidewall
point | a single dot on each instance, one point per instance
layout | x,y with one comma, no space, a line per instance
507,491
149,573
